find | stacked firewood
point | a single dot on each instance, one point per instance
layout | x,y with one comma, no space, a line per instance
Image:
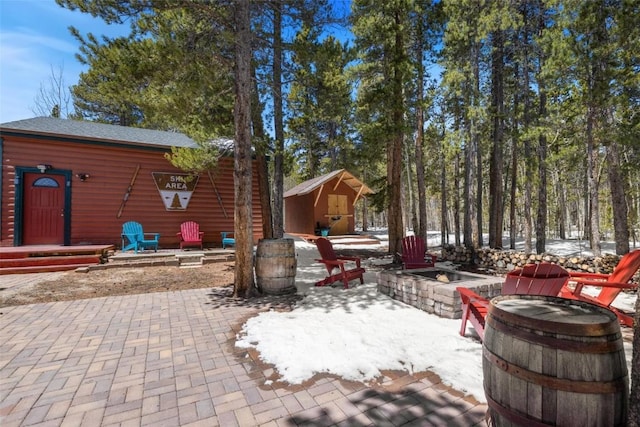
502,261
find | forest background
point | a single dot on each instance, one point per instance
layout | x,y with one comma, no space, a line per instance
467,117
518,117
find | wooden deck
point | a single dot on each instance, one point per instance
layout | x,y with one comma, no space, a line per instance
46,258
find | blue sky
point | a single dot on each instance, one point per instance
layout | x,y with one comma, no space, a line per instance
34,38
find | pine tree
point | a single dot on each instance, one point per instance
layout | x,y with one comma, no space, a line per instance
242,171
320,104
380,28
462,56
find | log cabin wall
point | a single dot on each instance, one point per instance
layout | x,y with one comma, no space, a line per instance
96,200
299,214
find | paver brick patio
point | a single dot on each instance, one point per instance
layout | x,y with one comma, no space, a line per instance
169,359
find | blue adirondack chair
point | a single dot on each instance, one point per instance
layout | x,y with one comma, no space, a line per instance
227,241
133,237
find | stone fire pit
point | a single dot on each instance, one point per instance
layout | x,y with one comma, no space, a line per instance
434,289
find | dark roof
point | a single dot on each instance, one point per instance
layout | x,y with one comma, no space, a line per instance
78,129
344,176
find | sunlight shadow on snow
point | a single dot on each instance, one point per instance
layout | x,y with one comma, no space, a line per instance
361,296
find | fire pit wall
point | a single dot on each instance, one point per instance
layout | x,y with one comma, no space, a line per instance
442,299
432,295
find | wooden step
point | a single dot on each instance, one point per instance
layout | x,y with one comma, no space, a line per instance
40,268
53,250
36,261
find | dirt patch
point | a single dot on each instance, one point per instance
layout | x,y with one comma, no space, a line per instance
117,281
219,277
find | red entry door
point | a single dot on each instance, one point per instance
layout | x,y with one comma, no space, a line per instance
43,219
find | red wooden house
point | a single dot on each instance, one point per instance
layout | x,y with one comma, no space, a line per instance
324,205
73,182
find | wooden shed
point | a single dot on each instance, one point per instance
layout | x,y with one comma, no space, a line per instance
73,182
324,205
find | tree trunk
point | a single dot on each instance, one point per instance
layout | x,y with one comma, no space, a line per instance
541,215
618,200
365,214
444,223
527,122
422,196
242,175
467,191
456,200
514,170
394,170
470,225
394,148
561,206
278,114
411,212
592,185
261,145
478,240
495,173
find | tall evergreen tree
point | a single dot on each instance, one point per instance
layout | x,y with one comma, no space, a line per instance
462,53
426,26
242,171
588,30
273,22
167,79
320,104
380,30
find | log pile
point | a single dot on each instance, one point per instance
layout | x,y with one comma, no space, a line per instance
503,261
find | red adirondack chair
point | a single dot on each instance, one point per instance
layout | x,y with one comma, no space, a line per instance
190,234
414,253
611,284
532,279
333,262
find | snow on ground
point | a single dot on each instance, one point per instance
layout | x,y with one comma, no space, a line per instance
357,333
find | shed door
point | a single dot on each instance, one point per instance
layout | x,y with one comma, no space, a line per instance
43,219
338,211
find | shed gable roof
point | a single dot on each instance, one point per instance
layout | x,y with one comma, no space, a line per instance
79,129
343,176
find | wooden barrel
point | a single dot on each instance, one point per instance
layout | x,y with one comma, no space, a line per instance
276,266
553,361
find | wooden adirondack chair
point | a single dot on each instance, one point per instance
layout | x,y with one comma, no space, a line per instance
611,284
532,279
190,234
227,239
414,254
133,237
333,262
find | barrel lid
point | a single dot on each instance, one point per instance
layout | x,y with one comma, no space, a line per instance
551,313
